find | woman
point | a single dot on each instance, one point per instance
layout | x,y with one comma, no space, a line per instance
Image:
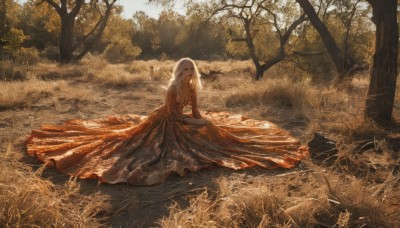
146,150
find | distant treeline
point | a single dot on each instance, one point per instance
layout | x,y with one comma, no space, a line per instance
209,30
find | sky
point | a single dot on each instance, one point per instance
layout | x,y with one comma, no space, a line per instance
131,6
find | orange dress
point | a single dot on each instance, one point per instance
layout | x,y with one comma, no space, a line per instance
145,150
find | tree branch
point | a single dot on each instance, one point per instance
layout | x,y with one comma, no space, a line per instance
96,38
292,27
237,39
77,7
309,53
53,4
275,21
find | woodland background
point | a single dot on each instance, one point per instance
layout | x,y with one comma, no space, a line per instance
30,31
325,70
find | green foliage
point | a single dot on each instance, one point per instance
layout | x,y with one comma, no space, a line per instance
196,34
10,13
40,24
117,29
13,40
205,38
336,15
121,51
174,35
27,56
237,50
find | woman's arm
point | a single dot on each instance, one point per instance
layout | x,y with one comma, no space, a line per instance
195,110
172,104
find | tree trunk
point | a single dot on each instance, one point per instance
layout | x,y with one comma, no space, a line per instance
327,38
252,50
383,72
259,72
67,17
3,12
349,61
66,38
97,37
3,25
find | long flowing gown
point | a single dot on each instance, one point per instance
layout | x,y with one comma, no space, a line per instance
145,150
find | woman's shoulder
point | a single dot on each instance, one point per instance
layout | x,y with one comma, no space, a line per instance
171,89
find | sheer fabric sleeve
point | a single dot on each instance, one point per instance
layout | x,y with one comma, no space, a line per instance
195,110
172,105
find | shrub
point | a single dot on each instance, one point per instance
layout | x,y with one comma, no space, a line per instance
50,53
13,40
27,56
115,75
121,51
9,72
278,92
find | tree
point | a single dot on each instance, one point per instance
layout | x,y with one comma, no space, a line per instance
347,22
9,17
345,9
13,39
168,25
68,12
41,25
3,13
383,72
117,40
327,38
249,12
202,38
144,33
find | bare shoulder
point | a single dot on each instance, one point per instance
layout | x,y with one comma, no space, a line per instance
171,89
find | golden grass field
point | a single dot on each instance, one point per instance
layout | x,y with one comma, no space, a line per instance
356,189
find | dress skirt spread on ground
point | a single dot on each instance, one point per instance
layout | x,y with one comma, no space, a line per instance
145,150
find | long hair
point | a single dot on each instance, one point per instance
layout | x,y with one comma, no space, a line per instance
176,78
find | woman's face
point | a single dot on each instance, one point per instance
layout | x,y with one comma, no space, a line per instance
187,71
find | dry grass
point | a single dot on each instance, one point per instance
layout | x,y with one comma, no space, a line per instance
298,199
10,71
360,188
115,75
28,200
53,71
22,94
299,96
327,197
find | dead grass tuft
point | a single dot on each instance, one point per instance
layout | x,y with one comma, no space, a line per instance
115,75
316,198
53,71
298,96
12,72
154,70
94,62
26,199
25,93
229,68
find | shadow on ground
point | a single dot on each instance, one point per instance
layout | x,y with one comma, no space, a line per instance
144,206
